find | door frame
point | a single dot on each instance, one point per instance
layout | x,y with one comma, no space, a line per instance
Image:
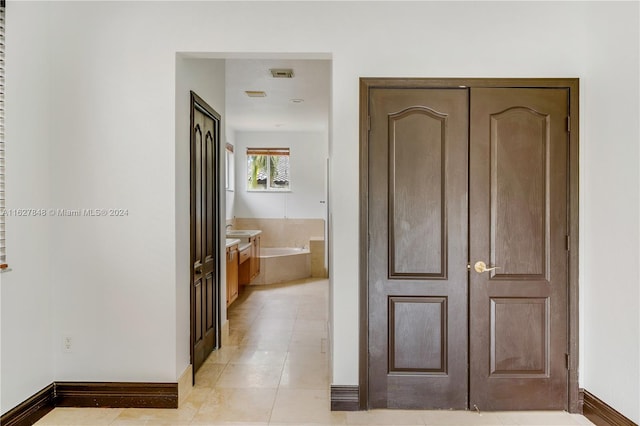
196,102
572,84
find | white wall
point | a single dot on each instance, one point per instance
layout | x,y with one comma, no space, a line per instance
307,161
230,194
611,142
26,364
206,77
112,145
110,91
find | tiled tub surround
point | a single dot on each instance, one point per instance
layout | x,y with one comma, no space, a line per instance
299,245
318,268
282,264
283,232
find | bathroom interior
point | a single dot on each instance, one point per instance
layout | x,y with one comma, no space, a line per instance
276,160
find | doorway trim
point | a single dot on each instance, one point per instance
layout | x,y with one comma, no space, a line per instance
572,84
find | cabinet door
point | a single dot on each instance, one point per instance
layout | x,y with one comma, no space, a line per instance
232,274
254,269
233,280
256,246
229,275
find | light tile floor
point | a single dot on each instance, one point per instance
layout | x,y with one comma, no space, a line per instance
275,371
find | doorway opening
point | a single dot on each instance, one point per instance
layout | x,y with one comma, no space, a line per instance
293,114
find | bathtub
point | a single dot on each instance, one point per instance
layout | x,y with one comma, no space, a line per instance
282,264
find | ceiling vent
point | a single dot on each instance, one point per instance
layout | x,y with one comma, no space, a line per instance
255,93
281,72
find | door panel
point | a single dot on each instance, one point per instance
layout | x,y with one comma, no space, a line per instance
416,169
198,233
423,350
205,292
526,352
519,192
418,251
518,223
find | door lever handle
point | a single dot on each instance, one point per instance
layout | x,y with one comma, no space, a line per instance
481,267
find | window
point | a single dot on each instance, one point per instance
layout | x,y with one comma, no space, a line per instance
268,169
229,167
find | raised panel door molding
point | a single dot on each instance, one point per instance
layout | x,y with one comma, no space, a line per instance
417,201
417,335
519,138
524,352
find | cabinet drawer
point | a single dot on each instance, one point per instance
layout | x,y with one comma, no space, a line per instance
245,254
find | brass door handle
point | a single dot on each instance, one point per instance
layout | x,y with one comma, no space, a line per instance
481,267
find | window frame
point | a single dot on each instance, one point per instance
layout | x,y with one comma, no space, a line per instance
269,152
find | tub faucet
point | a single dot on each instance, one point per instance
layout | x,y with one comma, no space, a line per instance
227,227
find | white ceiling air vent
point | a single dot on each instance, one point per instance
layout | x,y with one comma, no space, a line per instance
281,72
255,93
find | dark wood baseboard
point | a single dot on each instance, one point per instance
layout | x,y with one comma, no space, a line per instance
602,414
91,394
31,410
117,395
345,398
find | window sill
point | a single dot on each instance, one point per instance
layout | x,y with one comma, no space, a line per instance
269,191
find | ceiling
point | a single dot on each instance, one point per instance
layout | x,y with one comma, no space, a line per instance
276,112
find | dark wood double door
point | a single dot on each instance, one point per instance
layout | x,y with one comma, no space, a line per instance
461,181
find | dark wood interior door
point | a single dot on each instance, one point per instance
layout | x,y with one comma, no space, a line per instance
417,256
205,258
444,329
518,223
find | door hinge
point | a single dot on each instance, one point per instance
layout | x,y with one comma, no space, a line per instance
569,123
568,242
568,361
368,122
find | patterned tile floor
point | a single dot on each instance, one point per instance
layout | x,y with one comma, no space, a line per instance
275,371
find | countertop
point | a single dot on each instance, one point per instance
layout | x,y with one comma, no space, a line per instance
242,233
232,242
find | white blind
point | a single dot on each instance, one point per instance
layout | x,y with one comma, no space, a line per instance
3,251
267,151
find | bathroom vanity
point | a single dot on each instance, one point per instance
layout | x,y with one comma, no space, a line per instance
248,253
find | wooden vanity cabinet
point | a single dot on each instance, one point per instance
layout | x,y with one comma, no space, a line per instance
244,268
232,274
249,260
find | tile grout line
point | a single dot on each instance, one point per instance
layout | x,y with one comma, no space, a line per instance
281,373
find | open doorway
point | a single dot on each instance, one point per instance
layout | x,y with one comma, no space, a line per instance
286,301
